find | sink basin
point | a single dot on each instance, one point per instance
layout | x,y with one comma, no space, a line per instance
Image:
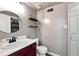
15,45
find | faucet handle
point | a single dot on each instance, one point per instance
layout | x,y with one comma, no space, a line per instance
9,40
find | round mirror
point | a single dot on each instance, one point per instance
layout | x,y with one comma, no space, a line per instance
9,22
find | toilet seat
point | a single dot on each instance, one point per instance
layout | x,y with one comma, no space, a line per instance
41,49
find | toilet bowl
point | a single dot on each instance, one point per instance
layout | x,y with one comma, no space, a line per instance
41,50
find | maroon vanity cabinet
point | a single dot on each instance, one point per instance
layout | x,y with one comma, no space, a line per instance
26,51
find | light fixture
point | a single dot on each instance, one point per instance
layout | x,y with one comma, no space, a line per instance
46,20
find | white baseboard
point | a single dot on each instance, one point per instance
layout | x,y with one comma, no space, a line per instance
53,54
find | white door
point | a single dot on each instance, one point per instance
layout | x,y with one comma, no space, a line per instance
73,29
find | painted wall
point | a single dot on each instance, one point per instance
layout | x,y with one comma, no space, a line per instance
24,12
53,32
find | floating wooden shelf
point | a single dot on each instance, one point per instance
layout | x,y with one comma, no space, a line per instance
33,19
33,26
14,27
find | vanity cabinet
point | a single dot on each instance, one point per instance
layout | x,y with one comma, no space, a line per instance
26,51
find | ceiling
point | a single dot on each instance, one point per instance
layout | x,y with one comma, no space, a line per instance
41,5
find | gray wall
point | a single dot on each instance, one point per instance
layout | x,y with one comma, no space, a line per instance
24,29
53,35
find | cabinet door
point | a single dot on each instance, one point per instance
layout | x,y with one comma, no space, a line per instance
32,53
26,51
73,48
22,52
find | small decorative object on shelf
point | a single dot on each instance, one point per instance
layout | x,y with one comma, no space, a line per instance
34,21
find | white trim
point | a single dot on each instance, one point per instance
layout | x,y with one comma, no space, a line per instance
53,54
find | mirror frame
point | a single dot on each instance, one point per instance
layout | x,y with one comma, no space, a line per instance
11,14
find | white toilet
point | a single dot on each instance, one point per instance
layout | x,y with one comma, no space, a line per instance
41,50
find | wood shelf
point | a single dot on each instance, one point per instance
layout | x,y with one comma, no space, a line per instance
33,19
14,27
33,26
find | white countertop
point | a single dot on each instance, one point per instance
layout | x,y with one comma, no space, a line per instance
6,52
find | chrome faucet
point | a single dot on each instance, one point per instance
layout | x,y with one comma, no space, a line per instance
12,40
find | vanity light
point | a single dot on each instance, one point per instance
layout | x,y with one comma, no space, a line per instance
47,21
